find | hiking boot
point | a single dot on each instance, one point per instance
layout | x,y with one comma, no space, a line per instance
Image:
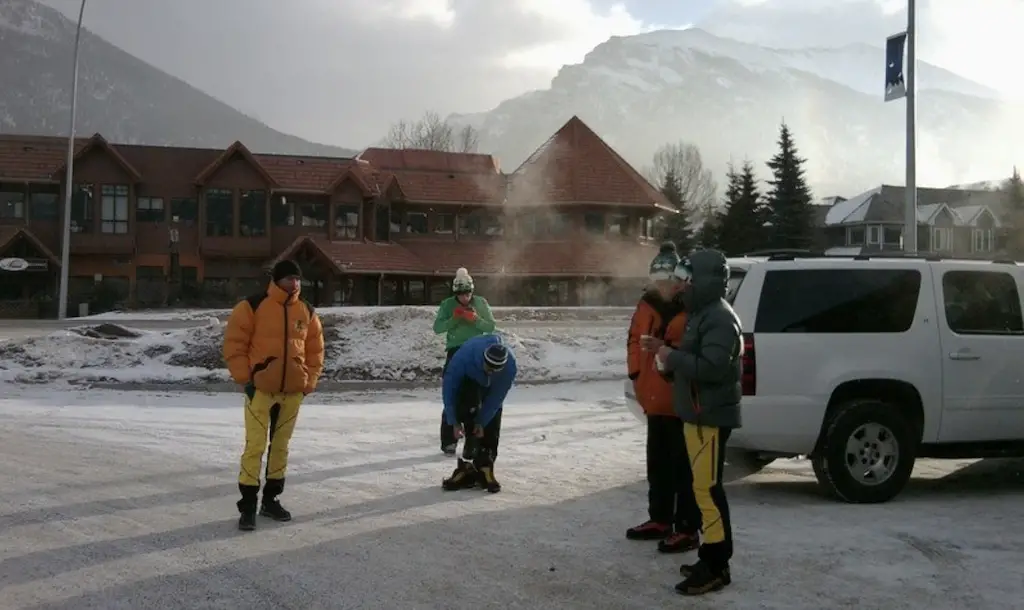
487,480
464,477
699,579
450,449
649,530
272,508
247,521
679,542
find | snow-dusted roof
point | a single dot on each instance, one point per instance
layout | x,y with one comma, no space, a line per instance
844,251
851,210
968,215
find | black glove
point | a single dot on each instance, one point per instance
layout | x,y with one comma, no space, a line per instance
250,390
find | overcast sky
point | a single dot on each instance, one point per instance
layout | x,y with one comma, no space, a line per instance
341,71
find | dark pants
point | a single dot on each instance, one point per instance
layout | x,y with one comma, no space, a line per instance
670,497
447,432
481,451
706,448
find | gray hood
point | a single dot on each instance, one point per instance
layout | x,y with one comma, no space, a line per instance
709,277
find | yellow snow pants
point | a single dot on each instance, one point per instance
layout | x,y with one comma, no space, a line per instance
273,417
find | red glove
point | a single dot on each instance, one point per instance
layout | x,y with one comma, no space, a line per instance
460,312
469,315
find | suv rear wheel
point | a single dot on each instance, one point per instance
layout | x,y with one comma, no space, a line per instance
867,452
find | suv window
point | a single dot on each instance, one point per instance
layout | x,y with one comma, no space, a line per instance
735,279
838,301
981,303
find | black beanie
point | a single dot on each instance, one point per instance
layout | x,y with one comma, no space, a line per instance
285,268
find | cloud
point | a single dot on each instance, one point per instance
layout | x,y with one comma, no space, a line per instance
974,39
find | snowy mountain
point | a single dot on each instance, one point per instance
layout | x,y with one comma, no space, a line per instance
729,97
120,96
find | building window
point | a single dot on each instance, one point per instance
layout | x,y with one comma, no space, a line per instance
469,224
282,213
491,224
648,226
559,225
314,214
892,236
874,235
444,224
942,239
593,223
252,213
12,201
184,209
981,240
149,209
855,236
415,292
382,227
346,221
618,224
114,209
43,205
395,218
416,223
220,213
82,208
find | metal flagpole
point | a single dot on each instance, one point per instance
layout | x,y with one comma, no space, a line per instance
65,248
910,212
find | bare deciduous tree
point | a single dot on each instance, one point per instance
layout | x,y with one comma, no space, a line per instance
431,132
697,184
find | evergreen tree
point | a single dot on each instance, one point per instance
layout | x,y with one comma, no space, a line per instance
676,228
741,225
1013,218
789,203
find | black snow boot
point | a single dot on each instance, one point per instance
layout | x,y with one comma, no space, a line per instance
450,449
487,480
271,507
464,477
247,507
700,578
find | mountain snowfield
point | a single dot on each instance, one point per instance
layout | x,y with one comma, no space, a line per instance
729,97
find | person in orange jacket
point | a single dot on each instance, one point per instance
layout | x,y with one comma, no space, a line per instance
274,349
659,319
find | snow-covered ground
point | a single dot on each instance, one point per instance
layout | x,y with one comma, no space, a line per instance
126,500
363,344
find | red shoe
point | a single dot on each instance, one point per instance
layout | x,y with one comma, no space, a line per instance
679,542
649,530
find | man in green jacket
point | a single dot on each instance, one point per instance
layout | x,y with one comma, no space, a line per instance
461,317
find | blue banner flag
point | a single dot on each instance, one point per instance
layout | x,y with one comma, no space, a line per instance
895,82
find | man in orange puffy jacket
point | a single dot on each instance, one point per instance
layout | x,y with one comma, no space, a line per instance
274,349
674,517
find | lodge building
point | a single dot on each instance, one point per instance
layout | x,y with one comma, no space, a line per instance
158,226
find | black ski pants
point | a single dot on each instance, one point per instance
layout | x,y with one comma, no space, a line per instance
447,432
670,495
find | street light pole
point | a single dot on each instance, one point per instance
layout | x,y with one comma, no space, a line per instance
910,211
65,251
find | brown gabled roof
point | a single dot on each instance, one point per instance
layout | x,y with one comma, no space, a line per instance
8,234
303,173
98,141
33,158
359,256
354,174
576,166
431,176
235,149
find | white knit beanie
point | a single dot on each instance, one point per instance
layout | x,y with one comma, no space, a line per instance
463,282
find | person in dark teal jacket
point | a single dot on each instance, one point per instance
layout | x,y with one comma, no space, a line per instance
460,317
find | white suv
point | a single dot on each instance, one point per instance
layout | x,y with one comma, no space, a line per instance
866,363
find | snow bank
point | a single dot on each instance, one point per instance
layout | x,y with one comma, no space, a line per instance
363,344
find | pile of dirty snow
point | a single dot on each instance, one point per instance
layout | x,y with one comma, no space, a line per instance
364,344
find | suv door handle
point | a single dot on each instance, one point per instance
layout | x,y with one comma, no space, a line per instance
963,355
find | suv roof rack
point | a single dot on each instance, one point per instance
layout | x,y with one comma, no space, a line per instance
789,254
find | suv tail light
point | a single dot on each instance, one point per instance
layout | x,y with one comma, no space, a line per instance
749,362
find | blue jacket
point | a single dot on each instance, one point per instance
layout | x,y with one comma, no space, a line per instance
468,363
